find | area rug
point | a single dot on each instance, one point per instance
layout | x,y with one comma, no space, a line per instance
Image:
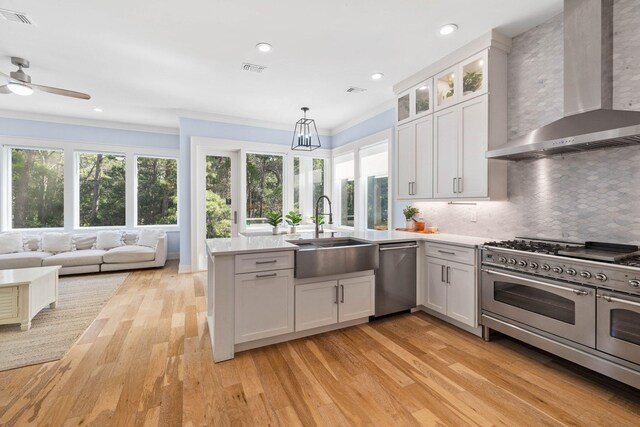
53,331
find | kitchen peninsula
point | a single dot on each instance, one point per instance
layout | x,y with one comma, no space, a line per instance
254,300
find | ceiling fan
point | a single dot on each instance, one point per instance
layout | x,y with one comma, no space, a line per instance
19,82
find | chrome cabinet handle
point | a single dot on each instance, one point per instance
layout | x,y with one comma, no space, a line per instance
459,184
442,275
342,289
336,288
446,252
261,276
454,185
448,276
409,187
273,261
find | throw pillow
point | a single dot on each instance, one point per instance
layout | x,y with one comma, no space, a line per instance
84,241
149,237
31,242
110,239
57,242
10,242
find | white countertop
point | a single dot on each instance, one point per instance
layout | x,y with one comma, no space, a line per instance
261,243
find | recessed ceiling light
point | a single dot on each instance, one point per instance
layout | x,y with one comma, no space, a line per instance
377,76
447,29
264,47
97,109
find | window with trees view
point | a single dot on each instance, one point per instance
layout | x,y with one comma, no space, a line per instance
344,176
308,185
264,186
374,168
157,191
218,196
102,189
37,184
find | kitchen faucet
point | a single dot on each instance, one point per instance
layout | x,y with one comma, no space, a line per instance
317,214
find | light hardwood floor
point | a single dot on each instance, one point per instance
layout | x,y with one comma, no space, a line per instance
146,360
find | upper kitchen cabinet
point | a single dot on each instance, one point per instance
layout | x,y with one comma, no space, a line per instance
446,89
416,102
414,149
473,76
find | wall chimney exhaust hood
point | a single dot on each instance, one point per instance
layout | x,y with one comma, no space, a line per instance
589,121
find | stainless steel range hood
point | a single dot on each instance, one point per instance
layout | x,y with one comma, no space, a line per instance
589,121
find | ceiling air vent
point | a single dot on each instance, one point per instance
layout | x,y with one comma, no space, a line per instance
253,67
354,89
10,15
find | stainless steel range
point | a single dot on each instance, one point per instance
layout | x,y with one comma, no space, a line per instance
578,301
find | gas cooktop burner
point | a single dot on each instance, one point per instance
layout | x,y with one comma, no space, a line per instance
537,246
632,261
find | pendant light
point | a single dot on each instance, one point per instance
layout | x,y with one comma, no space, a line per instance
304,132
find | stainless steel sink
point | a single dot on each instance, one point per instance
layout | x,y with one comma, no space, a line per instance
323,257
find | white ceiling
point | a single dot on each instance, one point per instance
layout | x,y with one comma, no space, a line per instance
150,62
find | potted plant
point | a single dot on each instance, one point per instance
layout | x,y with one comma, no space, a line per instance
320,222
293,219
274,219
409,212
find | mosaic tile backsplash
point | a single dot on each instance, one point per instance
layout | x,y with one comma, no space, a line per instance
593,195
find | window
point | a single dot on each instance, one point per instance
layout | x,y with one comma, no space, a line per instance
308,185
218,196
264,186
102,194
37,184
157,191
374,170
344,182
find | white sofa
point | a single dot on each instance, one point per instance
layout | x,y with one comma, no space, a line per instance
86,259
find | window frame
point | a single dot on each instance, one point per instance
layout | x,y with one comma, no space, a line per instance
71,180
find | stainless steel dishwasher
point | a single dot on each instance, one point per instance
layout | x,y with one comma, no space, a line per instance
396,278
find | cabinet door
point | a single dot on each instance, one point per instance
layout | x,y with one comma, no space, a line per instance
404,108
423,161
406,160
422,98
263,305
445,89
462,299
473,76
473,134
357,298
435,295
316,305
446,153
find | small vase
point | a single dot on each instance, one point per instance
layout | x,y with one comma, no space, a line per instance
293,229
275,230
411,224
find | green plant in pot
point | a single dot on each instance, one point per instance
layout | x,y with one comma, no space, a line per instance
409,213
293,218
274,219
471,82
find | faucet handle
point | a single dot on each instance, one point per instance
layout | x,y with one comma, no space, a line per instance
330,218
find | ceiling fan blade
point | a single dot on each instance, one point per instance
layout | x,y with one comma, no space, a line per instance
63,92
4,89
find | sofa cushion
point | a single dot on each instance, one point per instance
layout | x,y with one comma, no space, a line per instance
131,237
109,239
149,237
31,242
84,241
23,259
75,258
129,254
57,242
11,242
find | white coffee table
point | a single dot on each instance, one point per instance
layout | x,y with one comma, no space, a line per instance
26,291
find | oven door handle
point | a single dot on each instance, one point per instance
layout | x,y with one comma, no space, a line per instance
560,288
609,298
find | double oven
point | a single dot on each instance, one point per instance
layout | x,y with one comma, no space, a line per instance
589,307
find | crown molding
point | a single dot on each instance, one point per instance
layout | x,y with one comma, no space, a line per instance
79,121
199,115
365,116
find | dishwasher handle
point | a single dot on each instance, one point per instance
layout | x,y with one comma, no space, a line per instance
397,248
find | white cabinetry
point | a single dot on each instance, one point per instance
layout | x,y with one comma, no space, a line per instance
415,102
264,305
334,301
415,159
450,286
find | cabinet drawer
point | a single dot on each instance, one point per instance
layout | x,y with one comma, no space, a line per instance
251,263
9,302
451,253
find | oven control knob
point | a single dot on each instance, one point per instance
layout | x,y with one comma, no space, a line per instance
557,270
571,271
522,263
585,274
546,267
634,283
601,277
512,261
533,265
502,259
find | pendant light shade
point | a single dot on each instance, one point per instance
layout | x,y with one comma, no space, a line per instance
305,135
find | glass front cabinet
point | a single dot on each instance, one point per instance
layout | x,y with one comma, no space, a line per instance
416,102
461,82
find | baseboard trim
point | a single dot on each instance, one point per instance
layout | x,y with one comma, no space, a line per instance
184,268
